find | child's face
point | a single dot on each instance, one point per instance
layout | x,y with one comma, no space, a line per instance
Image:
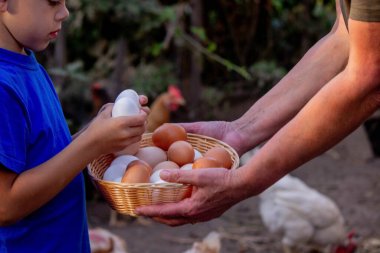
30,23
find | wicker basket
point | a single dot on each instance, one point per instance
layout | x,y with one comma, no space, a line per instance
124,198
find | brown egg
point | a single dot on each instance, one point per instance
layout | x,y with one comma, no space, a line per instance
206,162
168,133
221,155
165,165
137,172
152,155
181,152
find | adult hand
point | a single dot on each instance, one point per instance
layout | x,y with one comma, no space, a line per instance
228,132
214,191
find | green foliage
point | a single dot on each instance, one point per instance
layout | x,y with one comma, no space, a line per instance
284,30
153,78
297,26
266,73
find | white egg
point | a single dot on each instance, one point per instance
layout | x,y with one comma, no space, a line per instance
188,166
197,154
117,180
129,94
152,155
123,160
125,107
155,178
114,171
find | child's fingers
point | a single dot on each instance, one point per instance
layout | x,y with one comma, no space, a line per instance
143,99
106,110
145,109
131,121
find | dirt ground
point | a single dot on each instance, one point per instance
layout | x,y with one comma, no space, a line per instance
348,173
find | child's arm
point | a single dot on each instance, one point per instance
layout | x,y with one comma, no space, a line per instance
24,193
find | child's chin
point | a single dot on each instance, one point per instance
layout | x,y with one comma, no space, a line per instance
40,48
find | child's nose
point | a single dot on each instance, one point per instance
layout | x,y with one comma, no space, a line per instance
62,14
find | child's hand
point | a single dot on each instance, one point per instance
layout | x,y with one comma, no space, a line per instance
109,135
144,103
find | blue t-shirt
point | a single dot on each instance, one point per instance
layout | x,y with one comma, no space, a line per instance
32,130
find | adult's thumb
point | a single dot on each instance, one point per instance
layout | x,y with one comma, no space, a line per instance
178,176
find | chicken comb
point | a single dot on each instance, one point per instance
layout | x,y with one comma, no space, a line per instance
96,86
175,91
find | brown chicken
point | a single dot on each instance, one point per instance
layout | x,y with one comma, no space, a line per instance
99,97
162,106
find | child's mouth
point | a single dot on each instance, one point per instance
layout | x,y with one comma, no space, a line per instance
54,34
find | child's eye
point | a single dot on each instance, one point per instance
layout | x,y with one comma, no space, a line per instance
54,2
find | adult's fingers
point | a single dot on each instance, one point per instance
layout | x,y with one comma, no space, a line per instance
169,211
197,177
173,222
180,176
191,127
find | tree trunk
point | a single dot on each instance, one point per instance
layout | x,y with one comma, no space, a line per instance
120,67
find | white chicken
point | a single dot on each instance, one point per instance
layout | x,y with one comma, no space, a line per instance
210,244
103,241
303,217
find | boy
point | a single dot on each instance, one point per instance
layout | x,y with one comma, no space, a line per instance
41,188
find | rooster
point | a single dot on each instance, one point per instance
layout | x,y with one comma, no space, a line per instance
304,217
99,97
162,107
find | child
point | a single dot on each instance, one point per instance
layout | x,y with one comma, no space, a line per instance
41,186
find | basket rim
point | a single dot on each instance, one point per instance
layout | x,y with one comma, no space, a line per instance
235,165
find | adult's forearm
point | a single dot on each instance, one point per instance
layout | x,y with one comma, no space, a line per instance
332,114
320,64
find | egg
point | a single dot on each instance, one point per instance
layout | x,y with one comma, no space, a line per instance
114,172
181,152
165,165
188,166
206,162
117,168
117,180
221,155
137,172
155,177
197,154
125,107
129,93
168,133
152,155
123,159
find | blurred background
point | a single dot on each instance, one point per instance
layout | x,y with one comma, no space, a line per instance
222,55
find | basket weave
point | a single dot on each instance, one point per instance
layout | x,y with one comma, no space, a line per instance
125,198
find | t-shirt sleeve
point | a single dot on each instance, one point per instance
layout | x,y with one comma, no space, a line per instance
365,10
13,130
